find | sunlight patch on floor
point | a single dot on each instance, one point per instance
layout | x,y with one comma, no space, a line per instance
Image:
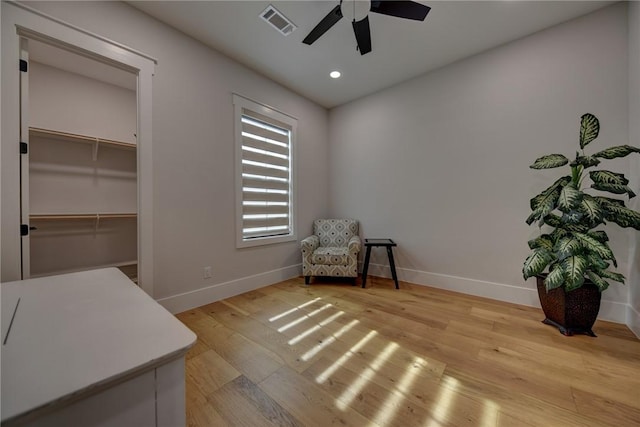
490,414
443,403
303,318
293,310
389,407
338,363
315,328
367,375
318,348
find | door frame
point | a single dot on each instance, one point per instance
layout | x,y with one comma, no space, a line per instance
21,21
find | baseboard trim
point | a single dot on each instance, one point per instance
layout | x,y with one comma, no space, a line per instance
609,310
199,297
633,320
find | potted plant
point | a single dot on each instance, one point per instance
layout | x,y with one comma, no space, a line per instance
571,257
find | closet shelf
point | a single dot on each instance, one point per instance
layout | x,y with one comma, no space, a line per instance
71,216
49,133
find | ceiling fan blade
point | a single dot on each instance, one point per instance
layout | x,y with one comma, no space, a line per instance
363,35
401,9
327,22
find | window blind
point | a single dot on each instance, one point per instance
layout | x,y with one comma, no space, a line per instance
266,176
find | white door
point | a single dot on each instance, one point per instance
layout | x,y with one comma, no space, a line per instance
24,158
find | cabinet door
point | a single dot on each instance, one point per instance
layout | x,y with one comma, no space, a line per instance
129,404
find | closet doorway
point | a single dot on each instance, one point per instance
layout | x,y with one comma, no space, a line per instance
79,177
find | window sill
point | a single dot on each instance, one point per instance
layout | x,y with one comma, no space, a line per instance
261,241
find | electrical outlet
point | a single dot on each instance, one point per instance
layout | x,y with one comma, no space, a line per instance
206,274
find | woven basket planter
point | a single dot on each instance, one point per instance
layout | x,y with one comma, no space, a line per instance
572,312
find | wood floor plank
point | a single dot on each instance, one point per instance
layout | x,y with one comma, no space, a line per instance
307,402
254,330
242,403
208,371
517,405
605,409
377,398
252,360
199,412
333,354
249,358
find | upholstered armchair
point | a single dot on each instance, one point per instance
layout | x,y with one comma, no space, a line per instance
332,250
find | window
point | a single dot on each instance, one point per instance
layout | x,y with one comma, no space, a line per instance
265,139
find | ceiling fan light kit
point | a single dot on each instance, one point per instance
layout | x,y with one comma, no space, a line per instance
361,28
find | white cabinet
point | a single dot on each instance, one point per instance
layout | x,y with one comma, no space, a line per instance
90,349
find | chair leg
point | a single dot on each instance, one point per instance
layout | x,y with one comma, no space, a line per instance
306,279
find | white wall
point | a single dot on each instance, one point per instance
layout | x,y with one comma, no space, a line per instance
633,317
69,102
193,157
440,163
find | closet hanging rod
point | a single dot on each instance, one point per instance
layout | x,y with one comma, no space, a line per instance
79,138
96,216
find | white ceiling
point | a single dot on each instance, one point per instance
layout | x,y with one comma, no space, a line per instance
402,49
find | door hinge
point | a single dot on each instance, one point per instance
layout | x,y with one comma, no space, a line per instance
24,65
24,230
24,148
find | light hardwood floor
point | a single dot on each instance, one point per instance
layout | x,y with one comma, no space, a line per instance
335,354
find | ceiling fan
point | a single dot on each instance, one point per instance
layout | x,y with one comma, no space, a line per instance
401,9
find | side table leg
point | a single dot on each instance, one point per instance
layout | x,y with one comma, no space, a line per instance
392,264
365,268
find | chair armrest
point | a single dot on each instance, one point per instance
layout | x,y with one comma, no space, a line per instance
310,243
355,244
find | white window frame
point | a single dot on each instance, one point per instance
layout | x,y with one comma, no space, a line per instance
240,103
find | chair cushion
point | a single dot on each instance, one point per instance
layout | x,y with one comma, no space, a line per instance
335,232
330,256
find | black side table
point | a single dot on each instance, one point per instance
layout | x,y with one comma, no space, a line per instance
387,243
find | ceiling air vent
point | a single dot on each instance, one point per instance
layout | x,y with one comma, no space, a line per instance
278,20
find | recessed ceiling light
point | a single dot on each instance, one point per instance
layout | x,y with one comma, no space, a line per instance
335,74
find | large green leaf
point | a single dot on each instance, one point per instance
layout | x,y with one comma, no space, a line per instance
550,161
608,177
618,151
536,262
560,182
569,198
599,235
585,161
612,182
595,246
543,205
572,221
596,262
622,216
589,129
557,234
543,197
544,241
563,222
555,278
566,247
598,281
605,202
574,268
614,188
610,275
592,209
